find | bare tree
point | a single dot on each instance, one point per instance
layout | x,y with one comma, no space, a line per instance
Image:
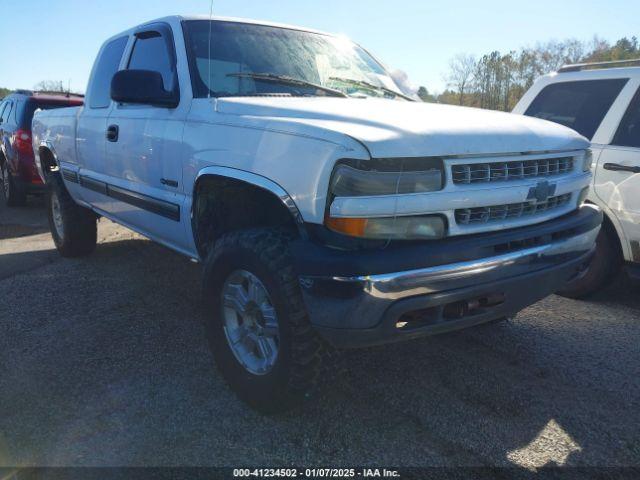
50,86
461,71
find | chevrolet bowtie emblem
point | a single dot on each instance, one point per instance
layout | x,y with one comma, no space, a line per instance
542,191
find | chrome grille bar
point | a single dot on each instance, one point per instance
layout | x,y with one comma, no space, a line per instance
512,170
466,216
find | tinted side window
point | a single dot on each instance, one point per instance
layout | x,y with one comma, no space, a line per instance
579,105
2,107
151,52
19,114
108,63
628,134
6,112
26,110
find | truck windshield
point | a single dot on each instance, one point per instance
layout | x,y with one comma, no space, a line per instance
240,59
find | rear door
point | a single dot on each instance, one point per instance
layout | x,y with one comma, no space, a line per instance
4,141
7,129
92,127
617,180
3,106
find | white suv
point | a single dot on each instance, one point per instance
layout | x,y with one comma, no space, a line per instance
602,102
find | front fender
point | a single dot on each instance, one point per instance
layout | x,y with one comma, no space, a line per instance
256,180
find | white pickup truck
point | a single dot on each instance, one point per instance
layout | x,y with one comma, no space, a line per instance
329,209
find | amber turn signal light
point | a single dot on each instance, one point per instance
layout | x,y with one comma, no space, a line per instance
354,227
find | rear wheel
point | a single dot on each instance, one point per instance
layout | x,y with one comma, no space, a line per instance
603,267
73,227
257,324
13,195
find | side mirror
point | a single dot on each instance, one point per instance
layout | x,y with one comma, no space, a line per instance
142,86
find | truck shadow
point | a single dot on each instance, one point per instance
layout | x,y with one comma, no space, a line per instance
16,230
622,291
23,221
118,372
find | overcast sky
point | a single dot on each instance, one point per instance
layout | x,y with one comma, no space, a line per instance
58,39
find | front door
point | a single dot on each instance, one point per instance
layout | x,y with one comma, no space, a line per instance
144,148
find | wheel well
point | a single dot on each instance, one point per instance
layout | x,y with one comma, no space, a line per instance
47,160
610,229
223,204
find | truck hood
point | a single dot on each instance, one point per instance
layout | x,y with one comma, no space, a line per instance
391,128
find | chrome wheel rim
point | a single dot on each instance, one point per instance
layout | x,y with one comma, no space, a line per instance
56,213
250,322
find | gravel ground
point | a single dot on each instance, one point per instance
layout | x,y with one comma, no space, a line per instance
104,363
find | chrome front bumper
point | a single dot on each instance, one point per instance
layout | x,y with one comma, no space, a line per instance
368,309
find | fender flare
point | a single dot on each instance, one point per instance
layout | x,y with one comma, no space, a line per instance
45,144
257,181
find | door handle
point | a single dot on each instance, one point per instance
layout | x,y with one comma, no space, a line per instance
112,133
168,183
616,167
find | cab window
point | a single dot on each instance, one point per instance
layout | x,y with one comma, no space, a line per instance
628,134
99,95
580,105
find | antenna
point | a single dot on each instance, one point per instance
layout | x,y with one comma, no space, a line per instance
209,46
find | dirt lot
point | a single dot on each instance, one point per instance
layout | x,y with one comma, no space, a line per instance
104,363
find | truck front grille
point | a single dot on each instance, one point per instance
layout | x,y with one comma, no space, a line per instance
511,170
467,216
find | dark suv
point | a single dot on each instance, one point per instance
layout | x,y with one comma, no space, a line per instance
17,166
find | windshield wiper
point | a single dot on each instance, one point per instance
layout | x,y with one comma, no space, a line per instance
363,83
284,80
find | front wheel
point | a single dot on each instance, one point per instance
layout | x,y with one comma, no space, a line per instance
73,227
256,322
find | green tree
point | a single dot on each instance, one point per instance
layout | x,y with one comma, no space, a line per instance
498,81
623,49
425,96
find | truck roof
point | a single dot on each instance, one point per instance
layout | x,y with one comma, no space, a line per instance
253,22
174,19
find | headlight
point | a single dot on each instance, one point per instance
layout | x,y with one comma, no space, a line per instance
587,160
357,178
390,228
